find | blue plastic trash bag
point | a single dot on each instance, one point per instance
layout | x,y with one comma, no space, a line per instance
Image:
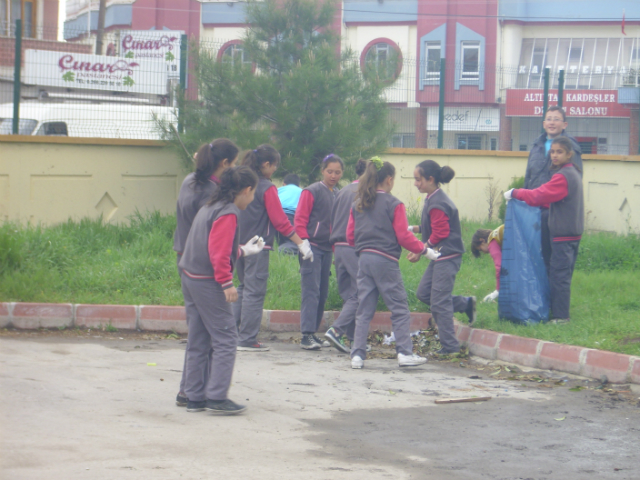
524,286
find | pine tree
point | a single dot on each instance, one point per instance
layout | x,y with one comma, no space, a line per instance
297,92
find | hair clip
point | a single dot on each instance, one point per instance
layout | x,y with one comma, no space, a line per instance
377,162
327,157
255,150
211,146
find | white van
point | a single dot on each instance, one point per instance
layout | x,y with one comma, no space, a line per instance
87,120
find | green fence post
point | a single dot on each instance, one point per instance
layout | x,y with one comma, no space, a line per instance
561,88
16,78
183,77
441,105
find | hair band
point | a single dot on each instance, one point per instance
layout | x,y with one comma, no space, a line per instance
255,150
327,157
377,162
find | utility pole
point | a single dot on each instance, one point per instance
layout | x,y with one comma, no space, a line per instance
101,14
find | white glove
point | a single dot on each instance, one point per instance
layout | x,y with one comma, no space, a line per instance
507,194
432,254
305,250
410,229
253,246
491,297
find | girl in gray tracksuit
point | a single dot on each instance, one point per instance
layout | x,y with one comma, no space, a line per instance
207,264
378,229
262,217
346,263
440,228
313,222
212,159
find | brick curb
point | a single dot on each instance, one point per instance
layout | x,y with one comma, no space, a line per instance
618,367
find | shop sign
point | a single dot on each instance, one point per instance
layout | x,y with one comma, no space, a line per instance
465,119
95,72
162,46
577,103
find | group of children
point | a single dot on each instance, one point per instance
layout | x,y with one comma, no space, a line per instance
227,218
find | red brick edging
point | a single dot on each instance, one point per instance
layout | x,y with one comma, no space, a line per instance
618,367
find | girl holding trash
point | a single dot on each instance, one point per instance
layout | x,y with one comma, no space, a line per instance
210,254
563,193
346,263
440,228
489,241
313,223
262,217
212,159
378,230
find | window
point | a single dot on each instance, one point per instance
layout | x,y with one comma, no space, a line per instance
25,126
494,144
12,10
382,60
469,142
58,129
234,54
432,60
470,61
403,140
575,54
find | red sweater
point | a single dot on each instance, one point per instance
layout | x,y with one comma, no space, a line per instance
439,227
275,212
220,246
553,191
305,205
400,226
495,250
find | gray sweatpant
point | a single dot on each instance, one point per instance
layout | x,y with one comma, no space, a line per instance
346,262
314,283
563,261
253,273
435,289
189,306
378,275
211,326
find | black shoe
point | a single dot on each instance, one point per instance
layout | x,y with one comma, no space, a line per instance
471,310
337,340
442,351
322,343
309,343
224,407
181,400
196,406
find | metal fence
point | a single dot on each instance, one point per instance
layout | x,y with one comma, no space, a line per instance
66,89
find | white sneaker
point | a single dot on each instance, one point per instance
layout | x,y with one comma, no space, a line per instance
410,360
357,362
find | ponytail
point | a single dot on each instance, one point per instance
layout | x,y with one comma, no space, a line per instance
255,159
232,182
209,157
429,168
361,166
375,173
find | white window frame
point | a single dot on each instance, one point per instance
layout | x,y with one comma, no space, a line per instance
432,75
233,50
480,136
469,76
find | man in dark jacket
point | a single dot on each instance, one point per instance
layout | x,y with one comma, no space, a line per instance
539,166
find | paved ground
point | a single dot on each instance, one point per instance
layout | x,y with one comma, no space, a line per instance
92,408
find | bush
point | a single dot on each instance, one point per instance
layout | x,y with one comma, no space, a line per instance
11,248
517,183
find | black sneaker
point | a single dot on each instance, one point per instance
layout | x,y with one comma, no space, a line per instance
322,343
181,400
196,406
471,310
442,351
336,340
224,407
309,343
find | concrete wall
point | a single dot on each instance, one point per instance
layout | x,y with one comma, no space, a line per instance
611,183
49,179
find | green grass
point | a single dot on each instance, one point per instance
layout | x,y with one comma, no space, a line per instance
92,262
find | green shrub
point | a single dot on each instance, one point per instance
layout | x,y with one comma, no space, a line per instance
517,183
11,248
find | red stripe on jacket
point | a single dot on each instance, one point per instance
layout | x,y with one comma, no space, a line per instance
440,228
303,212
220,245
553,191
275,212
